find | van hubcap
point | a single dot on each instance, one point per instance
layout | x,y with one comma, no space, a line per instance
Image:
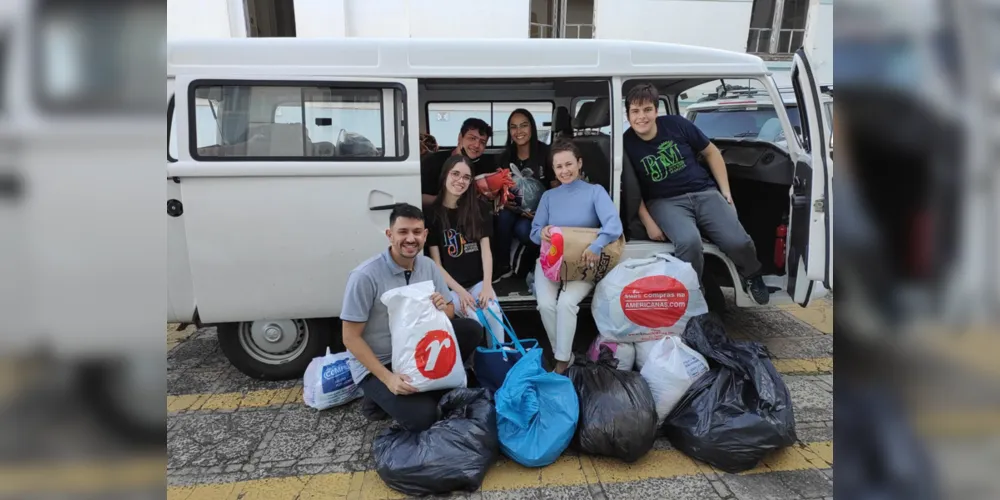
274,341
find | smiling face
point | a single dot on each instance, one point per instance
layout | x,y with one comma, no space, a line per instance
458,180
642,117
473,143
566,166
519,128
407,237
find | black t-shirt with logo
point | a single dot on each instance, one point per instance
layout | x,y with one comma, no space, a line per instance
667,165
461,256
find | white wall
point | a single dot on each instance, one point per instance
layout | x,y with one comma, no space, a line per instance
433,18
320,18
716,24
198,19
822,44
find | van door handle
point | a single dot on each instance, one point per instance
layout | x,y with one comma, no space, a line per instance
385,207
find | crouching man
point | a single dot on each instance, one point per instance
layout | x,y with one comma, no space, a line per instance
366,323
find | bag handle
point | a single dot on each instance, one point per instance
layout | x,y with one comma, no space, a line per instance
486,324
634,263
505,322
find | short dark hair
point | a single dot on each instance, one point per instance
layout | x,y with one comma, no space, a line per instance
478,125
406,211
644,92
563,145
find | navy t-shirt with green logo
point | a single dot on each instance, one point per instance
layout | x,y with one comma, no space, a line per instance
667,165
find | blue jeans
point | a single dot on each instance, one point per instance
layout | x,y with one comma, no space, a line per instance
509,225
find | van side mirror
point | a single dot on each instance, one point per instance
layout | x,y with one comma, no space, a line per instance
324,122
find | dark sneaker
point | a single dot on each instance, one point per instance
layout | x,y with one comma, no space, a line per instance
757,289
372,411
501,273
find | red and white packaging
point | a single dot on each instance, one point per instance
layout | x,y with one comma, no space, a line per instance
424,346
647,299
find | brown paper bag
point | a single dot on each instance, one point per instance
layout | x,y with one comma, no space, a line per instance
575,241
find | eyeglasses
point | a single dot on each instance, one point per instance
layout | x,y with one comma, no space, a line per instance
455,174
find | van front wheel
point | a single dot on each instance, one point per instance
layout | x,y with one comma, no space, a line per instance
273,349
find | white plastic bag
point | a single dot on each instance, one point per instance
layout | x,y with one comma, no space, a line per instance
642,351
328,383
670,370
624,352
424,346
647,299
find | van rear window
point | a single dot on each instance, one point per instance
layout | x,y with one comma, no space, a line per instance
753,122
444,119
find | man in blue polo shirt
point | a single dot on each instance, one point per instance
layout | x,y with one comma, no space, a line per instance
366,323
680,199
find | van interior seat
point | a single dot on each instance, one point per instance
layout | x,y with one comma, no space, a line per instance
324,148
278,139
581,116
596,148
562,123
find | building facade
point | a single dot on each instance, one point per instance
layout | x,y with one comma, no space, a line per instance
773,29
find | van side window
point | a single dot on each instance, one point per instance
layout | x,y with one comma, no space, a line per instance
445,119
295,122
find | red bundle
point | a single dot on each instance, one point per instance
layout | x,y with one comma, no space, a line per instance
497,187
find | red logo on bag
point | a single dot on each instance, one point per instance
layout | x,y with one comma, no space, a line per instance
655,301
436,354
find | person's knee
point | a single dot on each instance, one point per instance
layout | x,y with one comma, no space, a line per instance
688,243
736,243
418,418
568,304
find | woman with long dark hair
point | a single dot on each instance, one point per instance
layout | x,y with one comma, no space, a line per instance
459,230
525,151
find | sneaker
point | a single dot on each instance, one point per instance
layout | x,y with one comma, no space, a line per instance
372,411
757,289
502,273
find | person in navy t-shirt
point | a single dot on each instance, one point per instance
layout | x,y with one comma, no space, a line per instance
679,196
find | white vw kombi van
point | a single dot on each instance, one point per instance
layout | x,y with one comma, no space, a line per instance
286,155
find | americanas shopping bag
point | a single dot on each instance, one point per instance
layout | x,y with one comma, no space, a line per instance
328,383
537,412
670,370
453,455
624,352
424,346
739,411
647,299
617,415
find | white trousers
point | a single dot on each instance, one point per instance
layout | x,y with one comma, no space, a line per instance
559,309
492,324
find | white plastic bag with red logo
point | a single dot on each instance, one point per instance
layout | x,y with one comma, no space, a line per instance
424,346
647,299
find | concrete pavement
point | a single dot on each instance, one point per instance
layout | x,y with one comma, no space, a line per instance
230,436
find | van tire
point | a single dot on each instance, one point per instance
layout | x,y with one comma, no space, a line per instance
234,339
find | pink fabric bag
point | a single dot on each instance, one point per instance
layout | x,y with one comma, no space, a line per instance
552,254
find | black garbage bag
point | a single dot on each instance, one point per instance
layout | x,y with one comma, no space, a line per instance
736,413
617,411
453,455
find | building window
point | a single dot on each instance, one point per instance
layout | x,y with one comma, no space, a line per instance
561,19
777,27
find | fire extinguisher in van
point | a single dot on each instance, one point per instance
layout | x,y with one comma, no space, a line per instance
779,246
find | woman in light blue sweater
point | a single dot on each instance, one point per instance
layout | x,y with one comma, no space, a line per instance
574,203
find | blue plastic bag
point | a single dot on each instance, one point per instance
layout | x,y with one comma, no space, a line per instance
492,363
537,412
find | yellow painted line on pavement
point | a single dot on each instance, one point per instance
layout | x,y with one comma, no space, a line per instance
277,397
82,477
819,314
803,366
505,475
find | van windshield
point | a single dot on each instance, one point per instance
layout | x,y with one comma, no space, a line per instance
753,122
